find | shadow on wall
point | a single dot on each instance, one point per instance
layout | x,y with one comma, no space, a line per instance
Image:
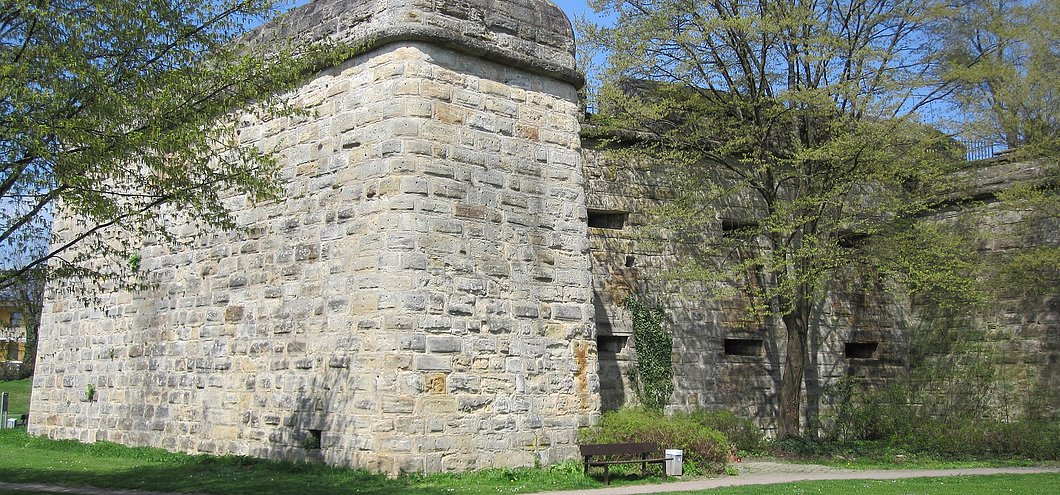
313,428
612,359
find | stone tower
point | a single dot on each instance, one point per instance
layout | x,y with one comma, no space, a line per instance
419,299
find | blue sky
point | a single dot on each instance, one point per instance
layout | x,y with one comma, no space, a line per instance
574,8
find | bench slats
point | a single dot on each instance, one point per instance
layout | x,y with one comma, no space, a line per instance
618,448
630,461
612,449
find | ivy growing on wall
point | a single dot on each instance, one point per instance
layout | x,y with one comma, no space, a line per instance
653,374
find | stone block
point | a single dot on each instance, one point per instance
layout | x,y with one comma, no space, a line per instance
430,362
444,344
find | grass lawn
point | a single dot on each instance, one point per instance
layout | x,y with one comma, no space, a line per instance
24,458
36,460
28,459
18,396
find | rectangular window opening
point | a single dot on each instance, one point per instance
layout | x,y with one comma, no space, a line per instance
861,350
849,239
613,344
743,347
738,228
602,219
312,441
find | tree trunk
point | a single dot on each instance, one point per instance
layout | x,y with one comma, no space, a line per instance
796,324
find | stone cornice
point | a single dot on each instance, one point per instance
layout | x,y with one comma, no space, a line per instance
529,34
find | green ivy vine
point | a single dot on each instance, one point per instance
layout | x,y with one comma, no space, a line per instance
653,374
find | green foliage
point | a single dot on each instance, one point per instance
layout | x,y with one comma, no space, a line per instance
743,434
653,373
25,292
107,465
783,118
894,418
931,261
866,415
134,262
705,449
1034,269
311,443
90,392
123,114
1003,55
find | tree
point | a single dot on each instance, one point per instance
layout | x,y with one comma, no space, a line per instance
26,294
796,122
1005,57
111,111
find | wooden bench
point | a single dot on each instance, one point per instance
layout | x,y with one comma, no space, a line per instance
648,454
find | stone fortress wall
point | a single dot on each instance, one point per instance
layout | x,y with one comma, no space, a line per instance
441,286
419,300
725,360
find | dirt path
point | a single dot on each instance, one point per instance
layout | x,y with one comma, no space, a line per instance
751,473
769,473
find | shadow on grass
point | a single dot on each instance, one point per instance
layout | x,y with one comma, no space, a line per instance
28,459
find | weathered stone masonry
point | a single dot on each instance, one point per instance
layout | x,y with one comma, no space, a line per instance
420,300
431,293
725,360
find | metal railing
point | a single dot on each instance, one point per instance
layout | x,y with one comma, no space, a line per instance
982,150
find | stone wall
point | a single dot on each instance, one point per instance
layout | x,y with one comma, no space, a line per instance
418,299
724,359
1016,341
440,286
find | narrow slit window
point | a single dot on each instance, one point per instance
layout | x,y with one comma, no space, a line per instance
861,350
600,219
743,347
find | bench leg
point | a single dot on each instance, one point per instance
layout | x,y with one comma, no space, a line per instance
607,474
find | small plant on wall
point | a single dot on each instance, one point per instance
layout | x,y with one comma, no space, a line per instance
653,374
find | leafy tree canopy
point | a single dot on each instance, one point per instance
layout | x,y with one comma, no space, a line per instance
795,127
1005,55
111,110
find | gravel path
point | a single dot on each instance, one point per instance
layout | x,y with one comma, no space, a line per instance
751,473
768,473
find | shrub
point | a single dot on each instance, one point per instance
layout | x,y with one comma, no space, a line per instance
742,433
956,438
704,448
875,414
888,417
